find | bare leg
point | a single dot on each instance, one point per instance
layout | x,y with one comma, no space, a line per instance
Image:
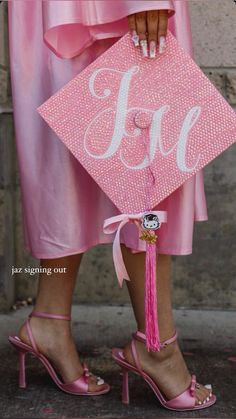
53,337
167,367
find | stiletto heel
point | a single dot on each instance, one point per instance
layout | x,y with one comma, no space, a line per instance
78,387
22,381
125,386
184,401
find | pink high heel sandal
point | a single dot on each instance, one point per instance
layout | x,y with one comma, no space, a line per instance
184,401
77,387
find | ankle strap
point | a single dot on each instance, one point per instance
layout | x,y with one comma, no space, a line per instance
49,315
142,337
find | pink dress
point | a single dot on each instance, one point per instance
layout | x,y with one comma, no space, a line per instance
63,208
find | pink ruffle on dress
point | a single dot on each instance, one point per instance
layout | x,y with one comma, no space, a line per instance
63,208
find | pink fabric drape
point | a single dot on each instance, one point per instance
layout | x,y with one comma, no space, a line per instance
71,26
63,208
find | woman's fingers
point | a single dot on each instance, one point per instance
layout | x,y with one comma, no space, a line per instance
162,29
141,25
152,28
132,22
149,29
132,27
152,24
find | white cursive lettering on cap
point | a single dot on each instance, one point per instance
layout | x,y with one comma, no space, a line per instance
119,115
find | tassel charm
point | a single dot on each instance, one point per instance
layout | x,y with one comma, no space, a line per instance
148,236
151,312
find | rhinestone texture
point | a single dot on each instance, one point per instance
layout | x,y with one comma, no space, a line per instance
124,106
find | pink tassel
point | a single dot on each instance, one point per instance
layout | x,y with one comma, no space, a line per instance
151,316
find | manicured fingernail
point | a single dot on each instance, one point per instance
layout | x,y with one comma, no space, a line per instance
162,43
152,49
135,38
144,47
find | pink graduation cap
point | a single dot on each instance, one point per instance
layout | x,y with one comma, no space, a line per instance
141,127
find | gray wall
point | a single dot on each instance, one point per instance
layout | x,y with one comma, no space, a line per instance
205,279
7,174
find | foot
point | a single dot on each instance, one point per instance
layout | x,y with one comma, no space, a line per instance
168,370
54,340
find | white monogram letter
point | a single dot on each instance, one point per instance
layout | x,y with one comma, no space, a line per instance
188,124
121,111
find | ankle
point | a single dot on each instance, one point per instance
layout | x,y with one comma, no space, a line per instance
164,354
54,324
44,310
53,327
167,352
165,333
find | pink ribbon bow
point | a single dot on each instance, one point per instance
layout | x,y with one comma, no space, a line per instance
116,223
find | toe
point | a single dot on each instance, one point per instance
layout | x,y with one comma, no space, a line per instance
96,383
197,399
202,395
206,392
209,388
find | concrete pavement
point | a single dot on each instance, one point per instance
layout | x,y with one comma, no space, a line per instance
207,338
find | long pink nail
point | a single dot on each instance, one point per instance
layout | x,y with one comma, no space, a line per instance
162,43
144,47
135,38
152,49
